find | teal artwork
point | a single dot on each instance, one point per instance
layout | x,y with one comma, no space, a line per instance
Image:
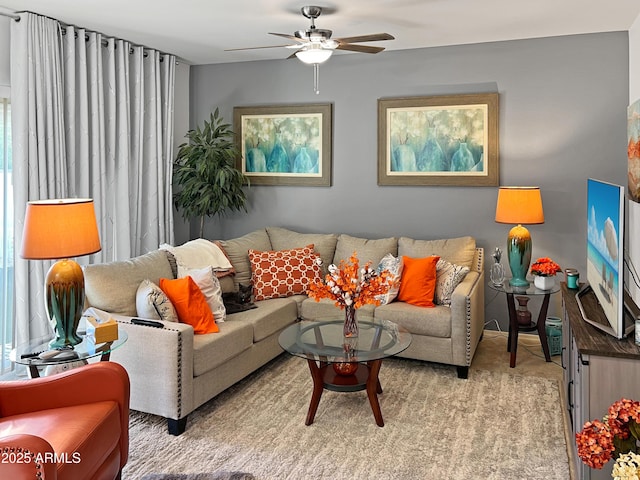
282,144
437,139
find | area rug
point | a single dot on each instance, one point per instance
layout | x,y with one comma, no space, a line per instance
200,476
491,426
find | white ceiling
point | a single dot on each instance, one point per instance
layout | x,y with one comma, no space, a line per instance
199,31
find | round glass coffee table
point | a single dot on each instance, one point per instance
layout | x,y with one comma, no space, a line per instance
28,354
342,364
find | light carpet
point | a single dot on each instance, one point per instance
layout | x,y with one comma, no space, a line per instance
491,426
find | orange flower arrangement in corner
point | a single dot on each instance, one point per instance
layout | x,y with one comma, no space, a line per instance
617,434
545,267
350,286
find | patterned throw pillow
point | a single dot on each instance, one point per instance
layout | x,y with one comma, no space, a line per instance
448,276
393,265
153,303
283,273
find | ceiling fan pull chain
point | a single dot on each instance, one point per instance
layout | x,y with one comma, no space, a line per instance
316,74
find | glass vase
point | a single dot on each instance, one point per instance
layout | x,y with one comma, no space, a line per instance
497,274
350,322
522,312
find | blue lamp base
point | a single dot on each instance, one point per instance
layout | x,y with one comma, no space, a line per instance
519,247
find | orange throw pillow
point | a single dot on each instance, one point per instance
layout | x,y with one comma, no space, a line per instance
190,304
283,273
418,282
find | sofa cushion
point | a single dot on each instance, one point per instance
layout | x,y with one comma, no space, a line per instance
418,282
431,322
459,250
283,273
190,303
210,351
237,250
209,285
326,309
448,276
113,286
270,317
324,244
367,250
153,303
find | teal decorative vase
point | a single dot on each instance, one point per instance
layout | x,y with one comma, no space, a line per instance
404,159
302,162
462,160
519,251
432,158
256,161
278,159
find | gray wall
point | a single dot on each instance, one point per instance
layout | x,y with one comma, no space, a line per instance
562,119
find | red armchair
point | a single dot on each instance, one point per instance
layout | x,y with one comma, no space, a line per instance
74,425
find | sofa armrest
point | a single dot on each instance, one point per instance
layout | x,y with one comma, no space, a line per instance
26,456
87,384
160,365
467,317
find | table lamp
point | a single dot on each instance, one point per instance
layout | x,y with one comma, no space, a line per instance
520,205
58,230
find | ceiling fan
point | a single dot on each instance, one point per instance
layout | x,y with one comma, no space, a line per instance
314,45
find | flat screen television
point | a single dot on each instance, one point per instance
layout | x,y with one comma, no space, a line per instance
605,260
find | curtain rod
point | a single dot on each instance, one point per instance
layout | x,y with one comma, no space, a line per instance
10,15
63,27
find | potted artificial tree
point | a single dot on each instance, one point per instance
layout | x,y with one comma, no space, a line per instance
205,170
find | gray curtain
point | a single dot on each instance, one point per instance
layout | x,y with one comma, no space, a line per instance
92,117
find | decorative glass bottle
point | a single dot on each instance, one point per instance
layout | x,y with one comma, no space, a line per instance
497,270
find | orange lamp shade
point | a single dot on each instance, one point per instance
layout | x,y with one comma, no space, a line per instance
520,205
64,228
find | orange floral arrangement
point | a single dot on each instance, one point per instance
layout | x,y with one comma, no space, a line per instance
545,267
348,285
618,433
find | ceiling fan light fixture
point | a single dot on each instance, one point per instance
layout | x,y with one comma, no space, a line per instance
313,56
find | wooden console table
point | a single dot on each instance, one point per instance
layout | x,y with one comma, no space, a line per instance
598,370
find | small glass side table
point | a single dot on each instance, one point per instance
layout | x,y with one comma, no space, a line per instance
26,354
514,326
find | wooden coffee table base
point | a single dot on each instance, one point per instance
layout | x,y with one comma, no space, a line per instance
364,378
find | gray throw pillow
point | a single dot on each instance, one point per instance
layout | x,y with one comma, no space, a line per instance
153,303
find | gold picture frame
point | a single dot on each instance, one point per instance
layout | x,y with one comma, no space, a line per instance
285,144
439,140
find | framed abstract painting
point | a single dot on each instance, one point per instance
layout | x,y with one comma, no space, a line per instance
438,140
285,144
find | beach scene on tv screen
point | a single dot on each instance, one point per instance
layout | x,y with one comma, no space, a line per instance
603,246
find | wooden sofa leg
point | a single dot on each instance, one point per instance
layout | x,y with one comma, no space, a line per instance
177,427
463,372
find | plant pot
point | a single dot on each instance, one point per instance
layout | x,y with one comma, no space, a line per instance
544,283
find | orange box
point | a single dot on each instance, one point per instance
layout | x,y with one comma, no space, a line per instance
101,331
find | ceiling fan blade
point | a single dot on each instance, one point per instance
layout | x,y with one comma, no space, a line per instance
359,48
366,38
257,48
290,37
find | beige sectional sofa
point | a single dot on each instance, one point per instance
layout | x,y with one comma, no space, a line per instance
173,371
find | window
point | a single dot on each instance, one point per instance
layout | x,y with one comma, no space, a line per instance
6,238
